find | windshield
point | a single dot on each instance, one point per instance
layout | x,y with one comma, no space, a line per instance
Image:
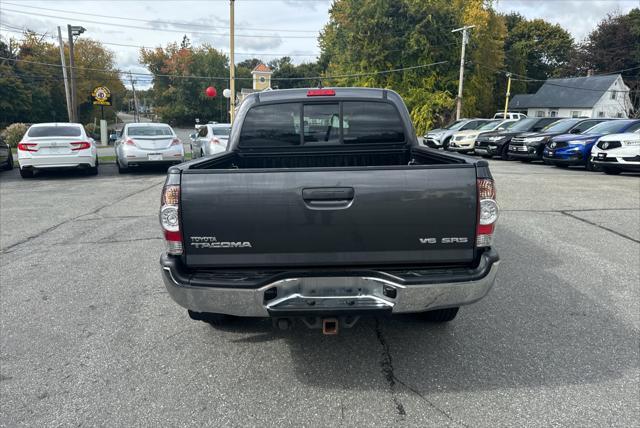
222,130
612,127
54,131
561,125
489,126
149,131
523,125
455,125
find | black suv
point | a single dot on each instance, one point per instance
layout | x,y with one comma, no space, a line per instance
529,146
496,143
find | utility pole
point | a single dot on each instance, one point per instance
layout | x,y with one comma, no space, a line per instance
74,30
64,74
232,66
72,117
506,102
465,40
136,117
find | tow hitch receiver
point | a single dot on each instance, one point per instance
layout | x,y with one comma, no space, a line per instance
330,326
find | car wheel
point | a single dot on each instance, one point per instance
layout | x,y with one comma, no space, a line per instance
504,153
121,169
440,315
592,166
9,164
93,170
26,173
611,171
201,153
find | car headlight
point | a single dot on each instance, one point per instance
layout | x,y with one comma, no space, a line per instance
495,138
533,139
630,142
581,142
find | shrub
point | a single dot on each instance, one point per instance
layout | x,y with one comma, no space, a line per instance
13,133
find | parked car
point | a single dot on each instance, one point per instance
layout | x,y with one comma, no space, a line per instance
114,136
6,157
496,143
148,144
529,146
211,139
566,150
439,138
464,141
56,146
331,242
615,153
510,115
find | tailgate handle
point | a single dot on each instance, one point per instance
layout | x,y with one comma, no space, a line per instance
328,197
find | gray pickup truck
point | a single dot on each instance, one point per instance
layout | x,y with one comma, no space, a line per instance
325,208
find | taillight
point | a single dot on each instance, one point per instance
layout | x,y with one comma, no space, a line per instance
80,145
320,92
170,218
28,147
214,140
129,142
488,212
176,142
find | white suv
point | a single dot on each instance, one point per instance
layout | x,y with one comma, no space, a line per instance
56,146
510,115
615,153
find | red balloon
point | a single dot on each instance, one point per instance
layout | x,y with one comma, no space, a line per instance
211,91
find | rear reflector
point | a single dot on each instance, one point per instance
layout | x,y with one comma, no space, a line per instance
321,93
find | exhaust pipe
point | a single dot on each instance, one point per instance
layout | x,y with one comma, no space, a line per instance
283,323
330,326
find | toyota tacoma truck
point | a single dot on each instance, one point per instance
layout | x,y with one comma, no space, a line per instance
325,208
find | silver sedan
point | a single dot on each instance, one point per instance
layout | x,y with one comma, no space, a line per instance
210,139
148,144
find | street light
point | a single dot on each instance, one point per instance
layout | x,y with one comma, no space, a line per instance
76,30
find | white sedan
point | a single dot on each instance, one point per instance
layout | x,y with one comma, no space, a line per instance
465,141
615,153
148,144
56,146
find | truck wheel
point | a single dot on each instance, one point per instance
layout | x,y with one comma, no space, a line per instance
440,315
610,171
209,317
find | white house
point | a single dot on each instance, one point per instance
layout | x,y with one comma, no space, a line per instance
592,96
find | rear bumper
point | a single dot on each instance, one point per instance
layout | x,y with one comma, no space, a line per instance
133,156
341,292
55,162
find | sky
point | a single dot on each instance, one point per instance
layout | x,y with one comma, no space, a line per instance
265,29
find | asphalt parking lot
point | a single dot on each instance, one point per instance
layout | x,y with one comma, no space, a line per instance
90,337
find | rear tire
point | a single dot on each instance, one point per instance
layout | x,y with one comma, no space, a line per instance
9,165
611,171
26,173
121,169
93,170
440,315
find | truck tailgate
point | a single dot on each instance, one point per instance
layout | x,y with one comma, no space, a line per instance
339,217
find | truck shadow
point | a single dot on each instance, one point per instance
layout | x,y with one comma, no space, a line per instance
539,331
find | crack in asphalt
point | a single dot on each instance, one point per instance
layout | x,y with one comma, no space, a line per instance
622,235
391,378
387,370
7,249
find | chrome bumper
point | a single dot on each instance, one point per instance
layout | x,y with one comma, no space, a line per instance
330,294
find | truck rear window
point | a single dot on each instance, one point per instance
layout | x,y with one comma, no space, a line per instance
363,122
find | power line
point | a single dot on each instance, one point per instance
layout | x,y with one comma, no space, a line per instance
314,78
157,29
18,30
186,24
